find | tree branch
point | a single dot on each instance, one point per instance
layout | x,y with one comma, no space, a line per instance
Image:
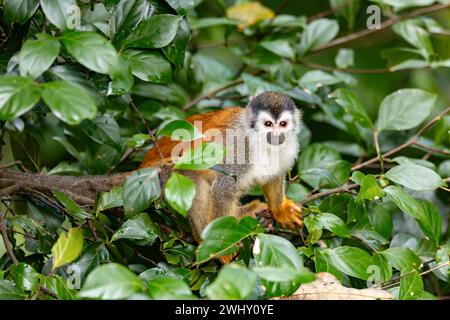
385,24
212,93
354,71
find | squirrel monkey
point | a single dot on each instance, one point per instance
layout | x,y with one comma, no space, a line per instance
267,129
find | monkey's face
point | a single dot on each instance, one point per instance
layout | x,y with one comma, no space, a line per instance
275,117
275,129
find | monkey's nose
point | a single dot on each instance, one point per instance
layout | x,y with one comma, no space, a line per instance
275,139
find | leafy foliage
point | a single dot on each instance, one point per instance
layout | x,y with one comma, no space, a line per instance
86,88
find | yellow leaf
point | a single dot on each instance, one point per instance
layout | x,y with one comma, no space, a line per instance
249,13
68,247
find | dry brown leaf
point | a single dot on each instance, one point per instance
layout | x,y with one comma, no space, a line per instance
249,13
327,287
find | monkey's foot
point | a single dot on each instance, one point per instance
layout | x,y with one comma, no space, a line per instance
288,214
252,208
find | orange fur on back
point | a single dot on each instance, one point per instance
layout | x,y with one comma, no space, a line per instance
220,120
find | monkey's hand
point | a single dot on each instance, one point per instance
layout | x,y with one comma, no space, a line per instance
288,214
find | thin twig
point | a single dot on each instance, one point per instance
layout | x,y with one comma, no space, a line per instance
281,7
329,11
17,163
447,263
344,188
212,93
385,24
92,229
411,141
431,149
6,242
354,71
150,131
47,291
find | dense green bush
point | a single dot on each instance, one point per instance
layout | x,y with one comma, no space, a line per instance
87,86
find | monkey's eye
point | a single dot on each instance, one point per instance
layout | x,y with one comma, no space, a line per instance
283,123
268,123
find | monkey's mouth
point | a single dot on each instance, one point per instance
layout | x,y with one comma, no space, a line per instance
275,140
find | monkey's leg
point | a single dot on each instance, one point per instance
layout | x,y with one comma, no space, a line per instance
283,210
251,209
200,214
225,196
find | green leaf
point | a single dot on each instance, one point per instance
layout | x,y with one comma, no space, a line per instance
345,58
91,257
327,221
350,260
72,207
405,202
156,32
282,274
411,285
69,102
416,36
370,189
139,228
140,189
67,248
346,10
353,106
316,156
204,157
211,22
280,47
59,285
111,199
111,282
275,251
91,50
9,291
323,263
405,109
431,224
180,130
19,10
234,282
25,277
313,80
222,235
17,96
420,162
317,33
149,66
381,220
175,51
381,270
165,288
403,4
60,12
126,17
180,193
183,6
104,130
415,177
138,140
402,258
122,78
36,56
